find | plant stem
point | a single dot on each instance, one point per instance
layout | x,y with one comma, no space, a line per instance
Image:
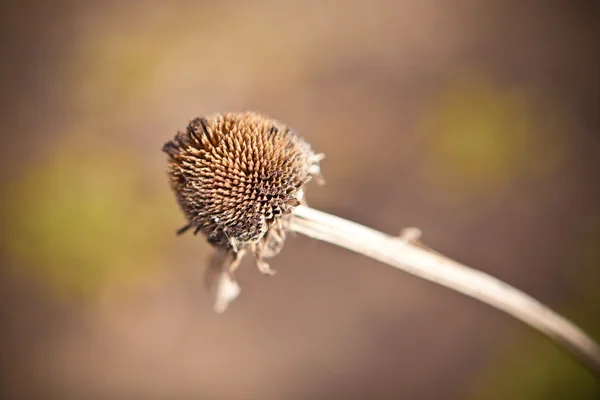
429,265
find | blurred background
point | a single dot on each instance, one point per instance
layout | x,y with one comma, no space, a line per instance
475,121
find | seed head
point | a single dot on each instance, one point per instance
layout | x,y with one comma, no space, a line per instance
237,178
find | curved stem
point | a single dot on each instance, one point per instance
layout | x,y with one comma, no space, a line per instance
434,267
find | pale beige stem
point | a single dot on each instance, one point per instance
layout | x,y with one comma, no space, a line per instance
434,267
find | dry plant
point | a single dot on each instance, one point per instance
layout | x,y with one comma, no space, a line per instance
239,179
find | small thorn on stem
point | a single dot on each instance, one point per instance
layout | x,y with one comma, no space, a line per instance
410,235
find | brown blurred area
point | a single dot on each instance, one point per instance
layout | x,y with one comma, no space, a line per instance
475,121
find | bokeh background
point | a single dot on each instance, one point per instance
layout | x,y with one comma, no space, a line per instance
475,121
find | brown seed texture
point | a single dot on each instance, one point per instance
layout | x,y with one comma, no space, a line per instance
237,177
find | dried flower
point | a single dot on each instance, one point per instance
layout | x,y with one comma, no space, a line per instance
237,178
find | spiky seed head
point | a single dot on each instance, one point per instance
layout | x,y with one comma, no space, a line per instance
238,176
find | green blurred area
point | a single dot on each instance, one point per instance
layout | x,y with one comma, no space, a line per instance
84,219
534,368
481,139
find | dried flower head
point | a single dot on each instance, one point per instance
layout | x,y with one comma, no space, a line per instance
237,178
